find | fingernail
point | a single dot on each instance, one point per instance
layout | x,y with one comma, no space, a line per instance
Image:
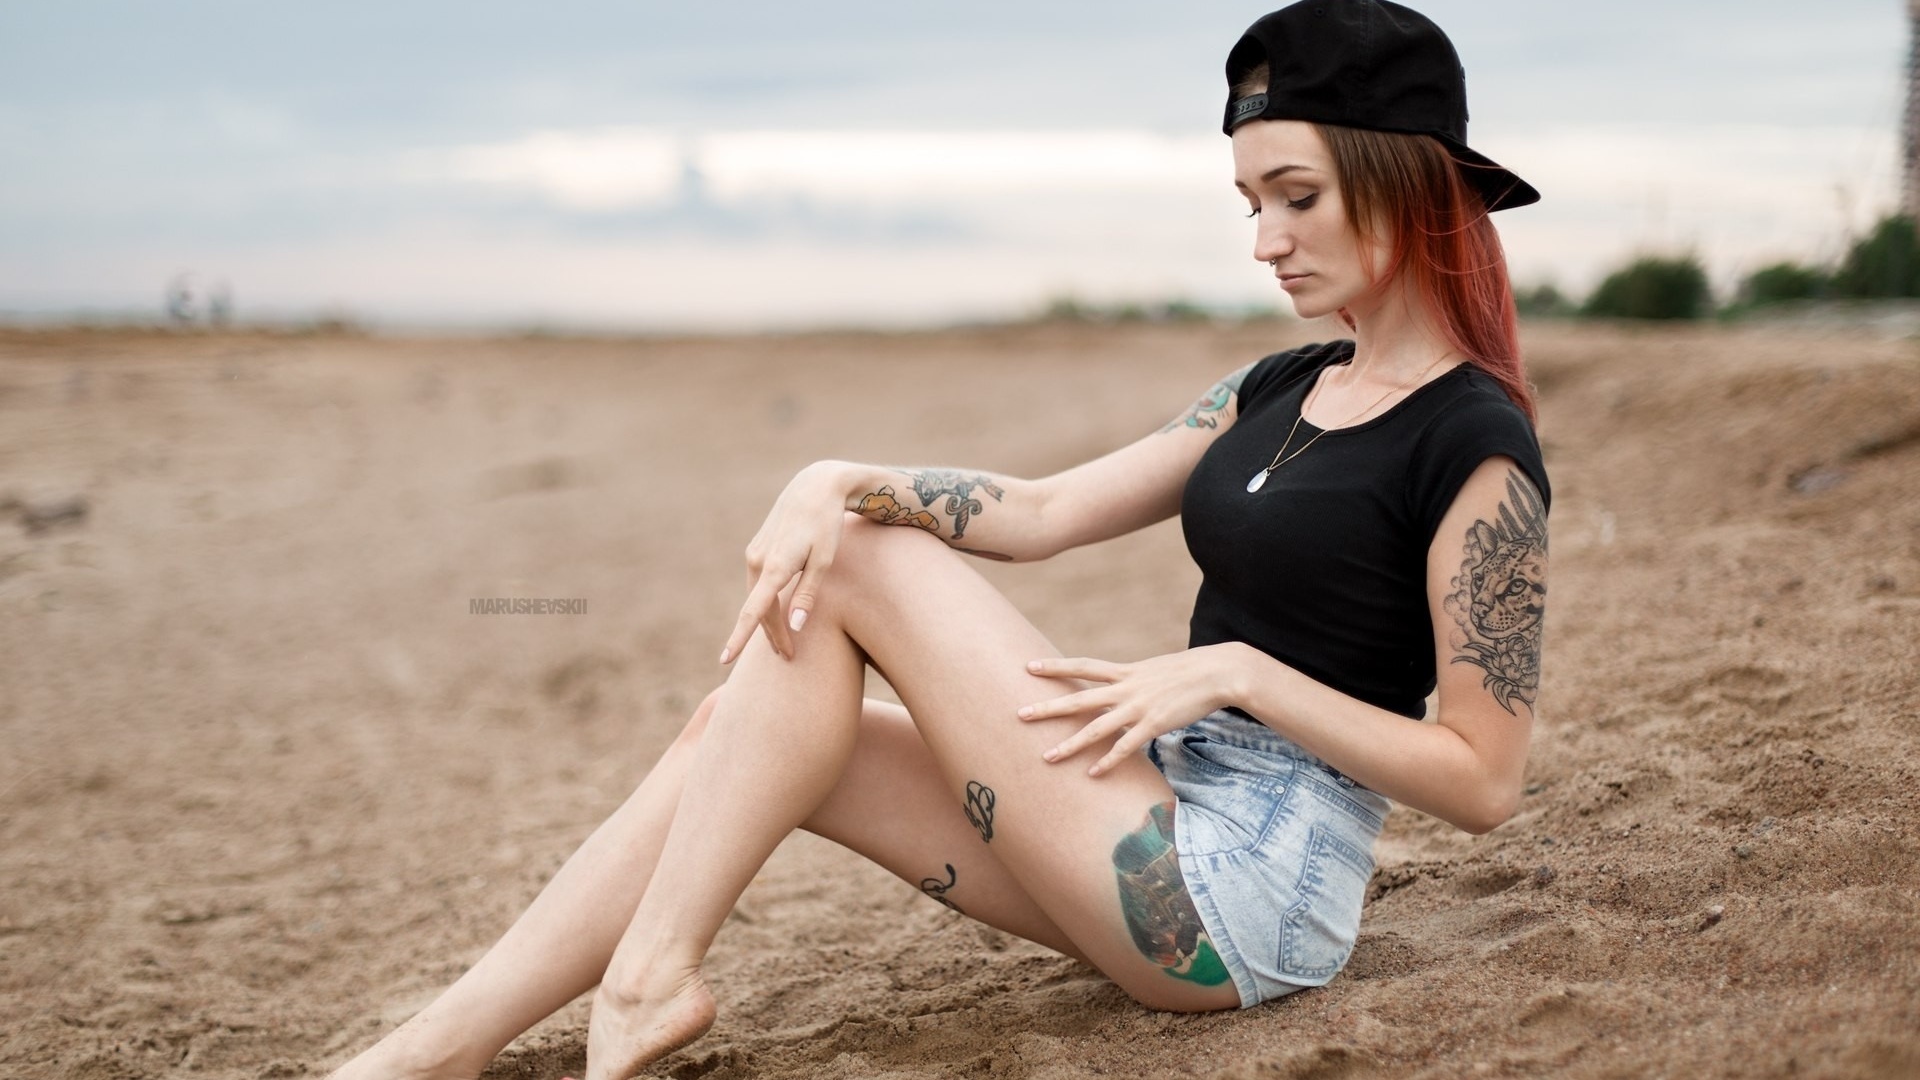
726,654
1033,665
799,618
1051,754
1026,710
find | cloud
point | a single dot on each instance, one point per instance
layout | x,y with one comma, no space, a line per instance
1739,194
607,169
851,188
847,159
624,168
914,165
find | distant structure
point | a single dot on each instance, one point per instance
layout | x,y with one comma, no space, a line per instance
179,301
692,195
184,308
1910,133
220,304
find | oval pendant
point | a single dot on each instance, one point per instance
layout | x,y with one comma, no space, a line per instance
1258,481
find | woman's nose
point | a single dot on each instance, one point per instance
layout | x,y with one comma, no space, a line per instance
1271,243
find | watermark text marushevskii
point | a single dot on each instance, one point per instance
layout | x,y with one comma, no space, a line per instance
521,605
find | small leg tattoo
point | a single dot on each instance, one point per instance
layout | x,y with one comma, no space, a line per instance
937,889
1159,912
980,809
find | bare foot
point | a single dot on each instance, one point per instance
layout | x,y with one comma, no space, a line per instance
630,1031
407,1053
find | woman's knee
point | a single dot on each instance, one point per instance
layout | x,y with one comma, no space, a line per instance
696,724
878,552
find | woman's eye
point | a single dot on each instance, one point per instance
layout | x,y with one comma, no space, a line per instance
1304,202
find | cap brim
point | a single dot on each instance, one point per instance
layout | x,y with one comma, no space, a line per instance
1500,188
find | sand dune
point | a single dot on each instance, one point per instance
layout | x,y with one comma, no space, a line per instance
267,785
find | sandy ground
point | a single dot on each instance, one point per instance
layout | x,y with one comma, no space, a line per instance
266,784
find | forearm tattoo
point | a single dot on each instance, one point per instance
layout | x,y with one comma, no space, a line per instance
935,486
1205,413
937,889
931,484
883,507
1154,900
1500,595
979,807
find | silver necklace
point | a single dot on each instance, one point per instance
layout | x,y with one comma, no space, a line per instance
1260,478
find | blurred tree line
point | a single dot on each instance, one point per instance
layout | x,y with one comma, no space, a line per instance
1883,264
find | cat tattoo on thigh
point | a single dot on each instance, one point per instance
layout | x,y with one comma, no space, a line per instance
1158,909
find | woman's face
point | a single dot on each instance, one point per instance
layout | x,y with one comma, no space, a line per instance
1285,171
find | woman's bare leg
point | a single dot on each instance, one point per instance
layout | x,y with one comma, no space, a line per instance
889,805
557,949
892,806
778,740
955,650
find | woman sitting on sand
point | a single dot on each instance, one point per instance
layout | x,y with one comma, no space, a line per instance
1370,519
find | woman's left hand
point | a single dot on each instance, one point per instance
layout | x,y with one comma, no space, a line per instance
1140,702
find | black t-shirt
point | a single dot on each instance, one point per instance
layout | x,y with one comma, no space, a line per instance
1325,567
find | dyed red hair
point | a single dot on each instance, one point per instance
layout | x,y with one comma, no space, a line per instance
1408,190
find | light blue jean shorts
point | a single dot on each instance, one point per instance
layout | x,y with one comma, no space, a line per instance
1276,847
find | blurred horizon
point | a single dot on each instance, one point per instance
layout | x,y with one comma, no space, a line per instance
648,167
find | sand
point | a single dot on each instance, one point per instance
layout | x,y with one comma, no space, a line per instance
267,785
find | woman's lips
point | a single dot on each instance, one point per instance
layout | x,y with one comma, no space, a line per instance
1289,281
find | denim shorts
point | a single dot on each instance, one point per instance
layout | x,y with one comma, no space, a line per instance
1276,847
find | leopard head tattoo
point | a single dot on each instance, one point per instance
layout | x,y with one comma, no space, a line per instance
1509,593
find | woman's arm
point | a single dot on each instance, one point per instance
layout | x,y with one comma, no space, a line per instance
1486,574
986,514
1003,517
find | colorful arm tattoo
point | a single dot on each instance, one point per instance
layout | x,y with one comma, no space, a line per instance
935,486
931,484
1205,413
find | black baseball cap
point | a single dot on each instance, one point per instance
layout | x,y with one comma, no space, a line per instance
1366,64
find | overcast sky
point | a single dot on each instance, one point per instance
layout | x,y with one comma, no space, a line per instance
646,164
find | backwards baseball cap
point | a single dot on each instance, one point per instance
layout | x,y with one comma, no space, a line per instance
1366,64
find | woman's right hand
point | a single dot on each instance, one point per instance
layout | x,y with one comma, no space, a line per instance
799,538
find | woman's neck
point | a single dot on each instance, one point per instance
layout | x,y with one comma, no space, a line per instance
1394,342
